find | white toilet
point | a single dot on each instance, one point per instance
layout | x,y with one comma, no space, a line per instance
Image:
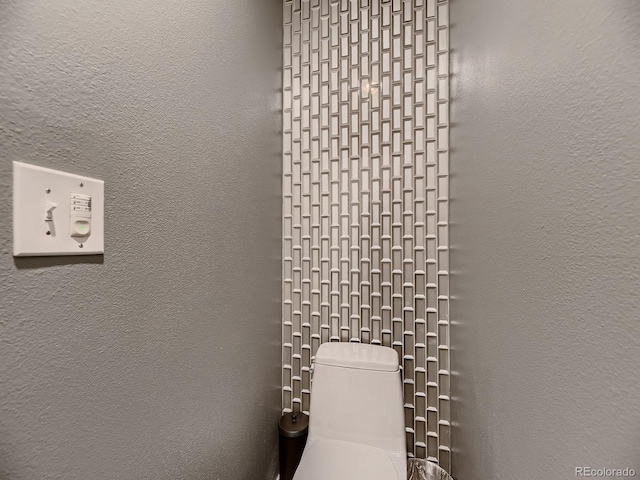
356,422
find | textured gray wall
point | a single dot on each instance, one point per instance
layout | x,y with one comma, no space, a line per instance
162,361
546,237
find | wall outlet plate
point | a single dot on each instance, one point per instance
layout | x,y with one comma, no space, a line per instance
35,191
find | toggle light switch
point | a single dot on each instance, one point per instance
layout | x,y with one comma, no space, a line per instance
49,207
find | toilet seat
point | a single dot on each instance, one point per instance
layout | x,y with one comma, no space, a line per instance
326,459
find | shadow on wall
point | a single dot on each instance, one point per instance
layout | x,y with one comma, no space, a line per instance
6,469
26,263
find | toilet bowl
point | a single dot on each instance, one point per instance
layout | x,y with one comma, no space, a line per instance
356,421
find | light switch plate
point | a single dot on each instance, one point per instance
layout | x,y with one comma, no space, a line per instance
35,190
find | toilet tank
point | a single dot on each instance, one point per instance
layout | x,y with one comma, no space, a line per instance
356,396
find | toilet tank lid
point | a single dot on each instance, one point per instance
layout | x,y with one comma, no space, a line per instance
358,355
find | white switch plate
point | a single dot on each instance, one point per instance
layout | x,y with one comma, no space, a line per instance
33,187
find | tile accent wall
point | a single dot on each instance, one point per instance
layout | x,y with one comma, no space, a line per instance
365,142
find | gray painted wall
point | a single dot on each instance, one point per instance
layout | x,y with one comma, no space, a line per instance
546,237
162,360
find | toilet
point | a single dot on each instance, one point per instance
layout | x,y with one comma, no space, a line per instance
356,417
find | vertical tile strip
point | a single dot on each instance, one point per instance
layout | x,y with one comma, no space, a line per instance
365,197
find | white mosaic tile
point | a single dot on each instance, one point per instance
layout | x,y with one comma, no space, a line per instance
365,197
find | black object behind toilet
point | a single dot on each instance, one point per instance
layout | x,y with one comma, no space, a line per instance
293,429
